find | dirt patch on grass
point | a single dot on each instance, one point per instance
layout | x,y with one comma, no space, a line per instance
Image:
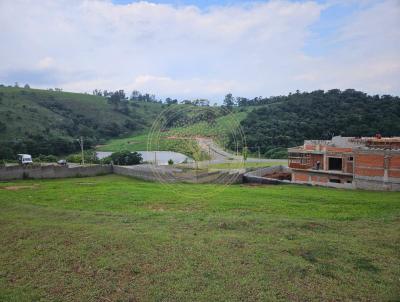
314,226
279,175
157,208
16,188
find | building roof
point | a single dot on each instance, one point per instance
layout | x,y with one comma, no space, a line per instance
377,142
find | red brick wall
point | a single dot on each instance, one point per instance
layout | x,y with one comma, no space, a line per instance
318,178
374,165
393,173
349,167
300,177
394,166
395,162
369,160
368,172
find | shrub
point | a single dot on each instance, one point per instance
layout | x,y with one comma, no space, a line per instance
46,158
89,155
170,162
126,158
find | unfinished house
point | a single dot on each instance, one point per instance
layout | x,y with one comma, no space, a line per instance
371,163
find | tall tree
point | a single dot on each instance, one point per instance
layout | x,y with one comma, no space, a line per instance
229,101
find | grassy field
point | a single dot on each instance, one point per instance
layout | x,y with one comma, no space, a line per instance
111,238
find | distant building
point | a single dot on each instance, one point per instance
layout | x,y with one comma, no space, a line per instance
371,163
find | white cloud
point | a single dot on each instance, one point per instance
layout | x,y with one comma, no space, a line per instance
365,53
45,63
250,50
186,87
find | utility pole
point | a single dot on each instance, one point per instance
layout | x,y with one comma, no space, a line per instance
244,151
81,143
259,153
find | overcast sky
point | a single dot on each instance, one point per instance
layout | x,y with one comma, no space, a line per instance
201,49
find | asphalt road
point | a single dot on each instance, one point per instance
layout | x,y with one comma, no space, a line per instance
219,155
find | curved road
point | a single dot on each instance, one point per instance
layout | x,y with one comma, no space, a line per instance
219,155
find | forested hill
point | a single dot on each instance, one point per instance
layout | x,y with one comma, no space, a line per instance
48,122
288,121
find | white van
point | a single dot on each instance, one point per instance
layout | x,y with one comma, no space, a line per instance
25,159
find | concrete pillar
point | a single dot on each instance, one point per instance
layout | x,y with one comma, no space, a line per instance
386,166
325,161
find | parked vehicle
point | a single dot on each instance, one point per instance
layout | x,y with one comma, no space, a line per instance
24,159
62,162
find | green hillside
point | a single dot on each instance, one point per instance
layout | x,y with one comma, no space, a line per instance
48,122
171,140
286,121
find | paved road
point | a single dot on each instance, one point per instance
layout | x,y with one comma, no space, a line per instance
219,155
216,152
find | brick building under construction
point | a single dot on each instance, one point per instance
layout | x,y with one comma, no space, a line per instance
371,163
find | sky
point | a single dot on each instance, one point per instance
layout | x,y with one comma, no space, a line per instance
201,49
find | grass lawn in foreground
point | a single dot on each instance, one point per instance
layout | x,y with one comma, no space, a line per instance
112,238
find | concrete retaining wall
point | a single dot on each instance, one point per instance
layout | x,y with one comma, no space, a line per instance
38,172
326,184
257,176
172,175
145,173
367,184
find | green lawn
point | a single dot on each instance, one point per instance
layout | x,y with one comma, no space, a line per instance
112,238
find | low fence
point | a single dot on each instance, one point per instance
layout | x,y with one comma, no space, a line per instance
52,171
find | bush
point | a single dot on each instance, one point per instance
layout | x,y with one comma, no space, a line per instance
126,158
170,162
276,153
74,158
89,155
106,160
46,158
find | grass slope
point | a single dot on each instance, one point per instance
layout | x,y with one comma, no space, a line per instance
30,112
116,239
220,132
